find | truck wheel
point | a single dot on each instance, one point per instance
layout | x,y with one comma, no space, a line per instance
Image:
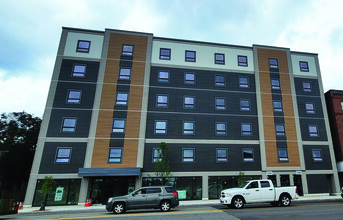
275,204
165,206
285,200
119,208
237,202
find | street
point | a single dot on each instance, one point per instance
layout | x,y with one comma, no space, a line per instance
306,210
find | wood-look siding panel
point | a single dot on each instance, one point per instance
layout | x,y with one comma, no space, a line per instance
132,125
104,125
269,128
100,153
108,96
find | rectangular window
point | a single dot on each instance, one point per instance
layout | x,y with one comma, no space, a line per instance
221,128
118,125
163,76
68,125
280,130
313,130
127,50
273,63
74,96
165,54
63,155
162,101
275,84
189,102
277,105
190,78
188,155
282,155
307,87
317,155
303,66
220,103
309,108
122,98
246,129
222,155
115,155
83,46
79,70
242,60
160,127
156,155
342,105
243,82
124,73
219,80
190,56
248,155
188,128
219,58
245,105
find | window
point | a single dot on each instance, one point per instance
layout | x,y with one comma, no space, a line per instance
273,63
188,102
156,155
220,128
307,87
313,130
219,58
163,76
153,190
220,103
220,80
242,60
222,155
265,184
317,155
303,66
188,155
74,97
165,54
280,130
309,108
190,78
122,99
162,101
127,50
248,155
277,105
83,46
115,155
79,70
282,155
275,84
246,129
190,56
160,127
188,128
118,126
243,82
342,105
124,73
68,125
63,155
245,105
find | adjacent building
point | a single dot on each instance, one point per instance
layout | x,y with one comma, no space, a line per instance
222,110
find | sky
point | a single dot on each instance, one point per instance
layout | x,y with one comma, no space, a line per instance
30,31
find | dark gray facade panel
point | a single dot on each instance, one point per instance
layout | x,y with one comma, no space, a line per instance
82,123
205,158
91,75
299,86
305,132
77,158
311,164
316,101
318,183
102,172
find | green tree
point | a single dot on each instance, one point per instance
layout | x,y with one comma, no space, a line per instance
241,178
48,185
162,168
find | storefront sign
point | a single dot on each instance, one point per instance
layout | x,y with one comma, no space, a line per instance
59,194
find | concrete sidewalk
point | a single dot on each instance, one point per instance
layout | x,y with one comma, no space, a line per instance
182,203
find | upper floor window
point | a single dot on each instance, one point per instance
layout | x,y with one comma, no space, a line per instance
118,126
160,127
277,105
189,102
156,155
280,130
124,73
122,98
165,54
313,130
163,76
282,155
115,155
79,70
190,56
162,101
63,155
188,128
248,155
245,105
273,63
222,155
275,84
190,78
317,155
219,80
307,87
220,128
243,82
68,124
188,155
303,66
246,129
74,97
309,108
127,50
219,58
220,103
242,60
83,46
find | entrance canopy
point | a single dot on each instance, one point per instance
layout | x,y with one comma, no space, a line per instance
93,172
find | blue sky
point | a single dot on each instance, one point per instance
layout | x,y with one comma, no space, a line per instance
30,31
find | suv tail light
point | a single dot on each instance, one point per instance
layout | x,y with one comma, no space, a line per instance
175,194
296,190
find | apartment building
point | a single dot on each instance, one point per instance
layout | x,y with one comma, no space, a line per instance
222,110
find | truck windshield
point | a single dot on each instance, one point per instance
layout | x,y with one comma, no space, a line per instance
243,184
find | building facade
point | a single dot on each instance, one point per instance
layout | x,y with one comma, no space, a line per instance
223,110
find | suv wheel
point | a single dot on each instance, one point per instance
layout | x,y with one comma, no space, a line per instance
165,206
119,208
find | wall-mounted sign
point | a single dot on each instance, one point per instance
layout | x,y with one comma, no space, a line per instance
59,194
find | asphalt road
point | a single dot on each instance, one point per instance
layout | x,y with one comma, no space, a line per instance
310,211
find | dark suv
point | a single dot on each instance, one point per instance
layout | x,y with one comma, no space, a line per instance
163,197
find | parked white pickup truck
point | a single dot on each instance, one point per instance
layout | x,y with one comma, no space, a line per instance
256,191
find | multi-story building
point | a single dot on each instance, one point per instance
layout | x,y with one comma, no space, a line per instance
222,110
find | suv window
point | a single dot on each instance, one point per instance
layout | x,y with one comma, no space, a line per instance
265,184
153,190
170,189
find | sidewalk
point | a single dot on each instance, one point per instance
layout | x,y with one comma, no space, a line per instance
182,203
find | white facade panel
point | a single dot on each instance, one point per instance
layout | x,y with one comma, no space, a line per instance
95,46
311,65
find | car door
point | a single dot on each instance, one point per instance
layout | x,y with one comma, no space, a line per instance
267,191
137,200
154,196
252,192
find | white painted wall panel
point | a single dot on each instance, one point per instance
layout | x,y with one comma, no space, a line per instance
311,65
95,48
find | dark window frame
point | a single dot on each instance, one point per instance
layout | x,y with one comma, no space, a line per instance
127,52
188,81
164,130
280,133
245,108
187,105
220,107
272,62
185,159
163,80
240,62
305,87
281,157
123,102
277,108
124,77
313,134
303,65
63,127
221,132
275,86
119,128
165,56
317,158
83,49
156,158
219,83
72,100
162,104
188,131
242,84
219,61
246,132
190,59
222,159
309,110
60,157
248,159
79,74
115,158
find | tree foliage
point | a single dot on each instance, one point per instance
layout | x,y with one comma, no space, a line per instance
48,185
162,168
